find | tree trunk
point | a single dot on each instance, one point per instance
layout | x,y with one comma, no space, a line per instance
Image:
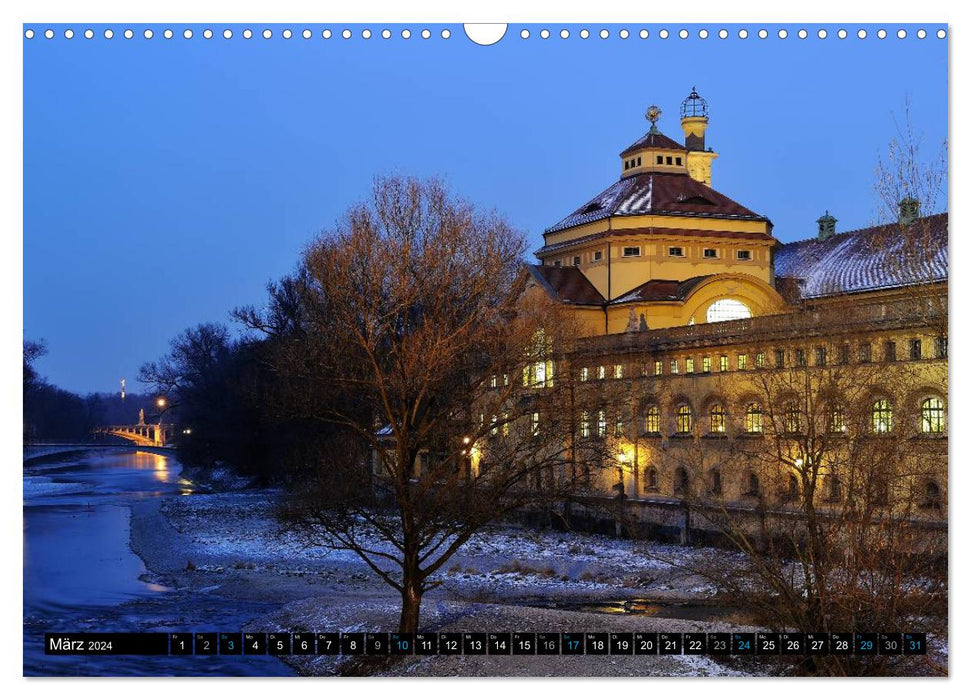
410,608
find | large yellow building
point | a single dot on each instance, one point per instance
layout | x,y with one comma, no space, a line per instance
718,361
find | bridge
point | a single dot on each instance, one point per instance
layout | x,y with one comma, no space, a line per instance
142,434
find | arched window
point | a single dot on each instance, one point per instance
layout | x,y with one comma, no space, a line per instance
727,310
753,418
752,486
834,491
718,418
932,416
792,422
652,420
681,482
882,416
793,492
715,482
837,419
651,480
932,495
684,419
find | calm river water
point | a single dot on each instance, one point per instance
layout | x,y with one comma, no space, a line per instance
80,574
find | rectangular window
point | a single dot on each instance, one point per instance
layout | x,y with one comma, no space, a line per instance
534,423
618,371
633,251
845,354
601,423
658,368
494,381
674,366
584,374
689,365
780,358
585,424
619,428
743,361
890,351
760,360
601,372
576,261
940,348
505,380
706,364
556,263
723,363
598,255
800,357
821,356
660,160
677,160
865,352
669,160
744,254
711,253
676,252
915,353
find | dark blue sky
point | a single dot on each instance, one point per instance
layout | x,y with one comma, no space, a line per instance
166,181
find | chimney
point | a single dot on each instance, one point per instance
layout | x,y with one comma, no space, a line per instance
909,211
827,226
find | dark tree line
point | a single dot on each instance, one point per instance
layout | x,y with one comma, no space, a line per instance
55,414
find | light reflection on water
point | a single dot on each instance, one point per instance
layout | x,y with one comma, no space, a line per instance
80,573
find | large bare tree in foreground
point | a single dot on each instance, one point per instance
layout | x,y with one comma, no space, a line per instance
419,341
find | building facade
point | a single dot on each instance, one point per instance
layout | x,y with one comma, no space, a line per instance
726,369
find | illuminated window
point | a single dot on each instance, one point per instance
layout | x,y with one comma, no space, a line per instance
601,423
723,363
618,371
837,420
601,372
505,424
534,424
684,419
652,420
759,360
753,418
932,416
882,416
706,364
494,381
792,419
585,424
689,365
658,367
718,418
727,310
674,366
584,374
743,361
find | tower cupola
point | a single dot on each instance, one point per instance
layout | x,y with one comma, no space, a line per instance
694,123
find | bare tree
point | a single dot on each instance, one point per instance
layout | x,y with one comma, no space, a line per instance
422,344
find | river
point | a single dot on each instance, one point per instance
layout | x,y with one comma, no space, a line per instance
81,575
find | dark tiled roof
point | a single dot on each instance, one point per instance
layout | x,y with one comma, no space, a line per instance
653,140
566,284
656,193
879,257
661,290
655,231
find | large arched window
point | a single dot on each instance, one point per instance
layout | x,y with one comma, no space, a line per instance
652,420
715,482
681,482
793,421
837,419
651,479
882,416
932,416
727,310
753,418
684,419
717,416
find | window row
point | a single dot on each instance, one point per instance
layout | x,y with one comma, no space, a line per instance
636,251
880,419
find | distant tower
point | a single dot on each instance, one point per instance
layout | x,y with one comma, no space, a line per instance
694,123
122,389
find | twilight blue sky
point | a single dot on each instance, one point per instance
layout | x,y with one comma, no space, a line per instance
166,181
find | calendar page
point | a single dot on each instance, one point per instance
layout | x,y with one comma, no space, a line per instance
422,348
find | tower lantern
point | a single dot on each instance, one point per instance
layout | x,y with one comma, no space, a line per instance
694,123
